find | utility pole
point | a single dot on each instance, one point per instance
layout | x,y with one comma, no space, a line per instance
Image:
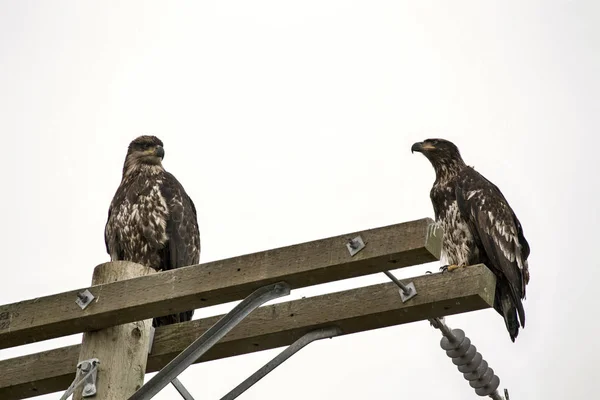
122,350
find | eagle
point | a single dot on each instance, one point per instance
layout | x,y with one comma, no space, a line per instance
151,220
479,227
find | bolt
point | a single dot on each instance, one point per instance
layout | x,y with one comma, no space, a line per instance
85,366
89,388
82,297
353,244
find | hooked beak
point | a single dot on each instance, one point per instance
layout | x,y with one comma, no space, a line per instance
160,152
418,147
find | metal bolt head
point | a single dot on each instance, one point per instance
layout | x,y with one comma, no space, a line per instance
84,299
85,366
411,292
355,245
88,388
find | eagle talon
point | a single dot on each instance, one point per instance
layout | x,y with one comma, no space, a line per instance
450,268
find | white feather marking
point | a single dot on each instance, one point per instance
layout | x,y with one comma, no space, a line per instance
473,193
519,258
457,243
143,221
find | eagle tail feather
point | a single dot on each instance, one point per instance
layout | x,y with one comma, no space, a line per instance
511,310
172,319
186,316
509,313
515,298
521,311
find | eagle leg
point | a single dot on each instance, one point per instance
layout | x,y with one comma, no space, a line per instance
450,268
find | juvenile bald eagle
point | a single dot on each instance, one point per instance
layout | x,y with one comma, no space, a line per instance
479,227
151,219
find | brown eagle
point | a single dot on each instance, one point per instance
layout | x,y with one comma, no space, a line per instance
151,220
479,227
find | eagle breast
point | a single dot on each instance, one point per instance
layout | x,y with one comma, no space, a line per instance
139,224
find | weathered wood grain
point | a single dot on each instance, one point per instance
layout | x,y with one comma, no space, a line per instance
217,282
355,310
121,349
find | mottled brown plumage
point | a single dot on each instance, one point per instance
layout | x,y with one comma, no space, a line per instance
479,227
151,220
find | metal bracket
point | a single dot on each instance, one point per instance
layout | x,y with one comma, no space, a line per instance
355,245
88,369
209,338
407,291
84,299
411,291
281,357
86,374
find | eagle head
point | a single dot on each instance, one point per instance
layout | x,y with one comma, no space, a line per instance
443,154
144,150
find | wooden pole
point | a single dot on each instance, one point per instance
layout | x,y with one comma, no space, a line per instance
122,349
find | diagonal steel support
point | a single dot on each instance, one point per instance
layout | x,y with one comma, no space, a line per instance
209,339
281,357
181,389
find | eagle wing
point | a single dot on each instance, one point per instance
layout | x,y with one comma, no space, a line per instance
113,247
183,235
497,230
182,226
106,230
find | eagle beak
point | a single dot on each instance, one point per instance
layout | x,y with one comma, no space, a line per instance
160,152
418,147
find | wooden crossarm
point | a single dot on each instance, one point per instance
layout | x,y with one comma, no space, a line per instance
217,282
272,326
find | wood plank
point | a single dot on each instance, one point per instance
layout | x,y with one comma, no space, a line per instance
217,282
272,326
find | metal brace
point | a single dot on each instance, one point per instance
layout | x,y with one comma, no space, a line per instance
84,299
355,245
89,370
299,344
407,291
209,338
181,389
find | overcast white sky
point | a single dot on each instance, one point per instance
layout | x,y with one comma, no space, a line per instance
292,121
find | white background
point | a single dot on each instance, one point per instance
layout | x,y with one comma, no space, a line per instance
290,121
